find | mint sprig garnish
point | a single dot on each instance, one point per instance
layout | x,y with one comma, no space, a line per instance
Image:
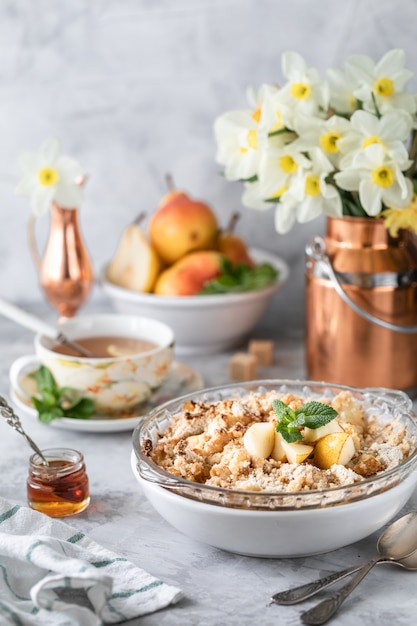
55,402
311,415
240,277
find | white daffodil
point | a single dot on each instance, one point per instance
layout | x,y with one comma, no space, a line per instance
341,88
239,139
50,177
304,146
389,131
252,197
277,167
327,135
304,92
309,195
270,110
277,112
381,85
379,180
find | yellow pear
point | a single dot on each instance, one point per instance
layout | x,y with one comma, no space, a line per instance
135,264
181,225
311,435
296,452
335,448
278,452
187,276
232,246
259,439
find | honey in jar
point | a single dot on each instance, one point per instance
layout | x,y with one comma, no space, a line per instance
60,488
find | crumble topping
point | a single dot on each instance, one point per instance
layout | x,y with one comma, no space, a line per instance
204,444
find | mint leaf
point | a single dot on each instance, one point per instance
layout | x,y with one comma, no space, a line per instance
45,380
313,415
240,278
55,402
286,421
47,416
316,414
83,409
283,411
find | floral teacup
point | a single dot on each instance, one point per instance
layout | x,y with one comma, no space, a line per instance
117,382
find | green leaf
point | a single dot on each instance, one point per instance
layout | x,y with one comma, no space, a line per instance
316,414
48,416
283,411
55,402
289,434
83,409
240,278
44,379
312,414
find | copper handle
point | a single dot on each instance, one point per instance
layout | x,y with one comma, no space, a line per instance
316,249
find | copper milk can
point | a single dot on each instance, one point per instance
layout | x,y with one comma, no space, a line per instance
361,305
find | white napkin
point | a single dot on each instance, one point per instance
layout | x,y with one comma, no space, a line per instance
53,575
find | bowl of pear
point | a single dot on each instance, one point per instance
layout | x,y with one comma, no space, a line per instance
185,270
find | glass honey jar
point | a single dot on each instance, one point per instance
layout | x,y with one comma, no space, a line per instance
60,488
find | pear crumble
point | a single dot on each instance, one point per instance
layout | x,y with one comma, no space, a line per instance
234,443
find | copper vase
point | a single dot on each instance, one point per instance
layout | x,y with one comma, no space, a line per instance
65,271
376,284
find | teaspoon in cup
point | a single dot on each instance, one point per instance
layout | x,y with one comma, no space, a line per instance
397,542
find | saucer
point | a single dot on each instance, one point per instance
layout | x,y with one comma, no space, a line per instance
181,380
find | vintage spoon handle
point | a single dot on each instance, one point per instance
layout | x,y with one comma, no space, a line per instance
323,611
298,594
38,325
13,420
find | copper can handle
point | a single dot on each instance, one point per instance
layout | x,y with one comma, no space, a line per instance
316,250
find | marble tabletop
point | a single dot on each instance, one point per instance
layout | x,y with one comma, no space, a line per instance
219,587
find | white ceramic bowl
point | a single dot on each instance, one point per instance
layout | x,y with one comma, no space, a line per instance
202,323
279,524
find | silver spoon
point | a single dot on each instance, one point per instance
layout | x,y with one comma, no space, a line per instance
397,542
38,325
13,420
303,592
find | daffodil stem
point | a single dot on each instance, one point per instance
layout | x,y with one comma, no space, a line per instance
412,155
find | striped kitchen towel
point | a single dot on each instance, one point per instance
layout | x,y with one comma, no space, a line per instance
53,575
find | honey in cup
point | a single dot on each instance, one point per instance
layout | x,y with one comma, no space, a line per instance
107,346
132,357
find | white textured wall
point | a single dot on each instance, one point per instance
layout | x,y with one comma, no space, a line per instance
132,87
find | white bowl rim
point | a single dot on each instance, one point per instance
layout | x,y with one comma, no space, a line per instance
202,301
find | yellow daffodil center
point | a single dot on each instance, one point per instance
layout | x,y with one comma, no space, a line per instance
279,123
328,142
256,115
312,186
287,164
279,193
300,91
369,141
48,176
384,87
252,139
383,176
